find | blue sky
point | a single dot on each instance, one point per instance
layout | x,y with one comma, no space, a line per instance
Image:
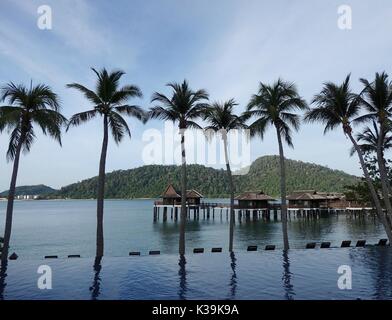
224,46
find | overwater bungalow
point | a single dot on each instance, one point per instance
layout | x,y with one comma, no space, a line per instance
311,199
172,197
253,200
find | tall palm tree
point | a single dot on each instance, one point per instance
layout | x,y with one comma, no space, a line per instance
376,98
109,101
221,118
184,106
26,107
276,105
336,105
369,140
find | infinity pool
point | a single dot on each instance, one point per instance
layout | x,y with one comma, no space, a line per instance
301,274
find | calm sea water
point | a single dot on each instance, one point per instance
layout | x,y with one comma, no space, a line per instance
301,274
68,227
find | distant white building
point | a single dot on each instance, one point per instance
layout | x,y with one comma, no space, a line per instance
26,197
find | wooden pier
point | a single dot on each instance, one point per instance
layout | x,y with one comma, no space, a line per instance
256,205
212,210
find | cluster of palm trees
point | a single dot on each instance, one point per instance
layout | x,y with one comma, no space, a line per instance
277,105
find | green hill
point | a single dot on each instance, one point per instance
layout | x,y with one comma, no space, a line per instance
31,190
150,181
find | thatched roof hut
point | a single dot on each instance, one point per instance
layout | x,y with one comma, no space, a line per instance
253,200
172,196
313,199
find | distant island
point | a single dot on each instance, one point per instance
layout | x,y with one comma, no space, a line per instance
150,181
31,192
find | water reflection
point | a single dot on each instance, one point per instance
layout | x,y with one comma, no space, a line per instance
377,265
3,276
182,273
212,233
362,226
310,229
233,279
96,286
250,231
286,278
169,233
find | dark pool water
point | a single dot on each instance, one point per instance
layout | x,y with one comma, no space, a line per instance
301,274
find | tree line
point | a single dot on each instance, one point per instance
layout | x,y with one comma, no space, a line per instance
151,180
277,106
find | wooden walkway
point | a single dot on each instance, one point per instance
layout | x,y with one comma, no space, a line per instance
212,210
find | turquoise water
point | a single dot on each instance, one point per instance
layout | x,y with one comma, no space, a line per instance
301,274
68,227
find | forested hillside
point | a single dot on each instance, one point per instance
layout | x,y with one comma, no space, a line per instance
150,181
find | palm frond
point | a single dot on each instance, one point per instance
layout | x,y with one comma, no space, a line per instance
9,117
335,105
89,94
14,94
118,126
42,97
159,97
28,140
259,127
133,111
376,98
107,84
192,125
13,144
50,121
81,117
125,93
162,114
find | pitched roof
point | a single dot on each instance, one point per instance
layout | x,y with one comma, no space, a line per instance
193,194
254,195
172,192
313,195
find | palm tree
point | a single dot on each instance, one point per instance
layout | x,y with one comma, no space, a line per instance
376,98
369,143
184,106
221,118
276,105
109,101
26,107
337,105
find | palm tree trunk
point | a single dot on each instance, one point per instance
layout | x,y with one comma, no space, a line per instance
10,202
386,188
372,190
3,276
183,195
101,189
231,185
286,245
383,172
